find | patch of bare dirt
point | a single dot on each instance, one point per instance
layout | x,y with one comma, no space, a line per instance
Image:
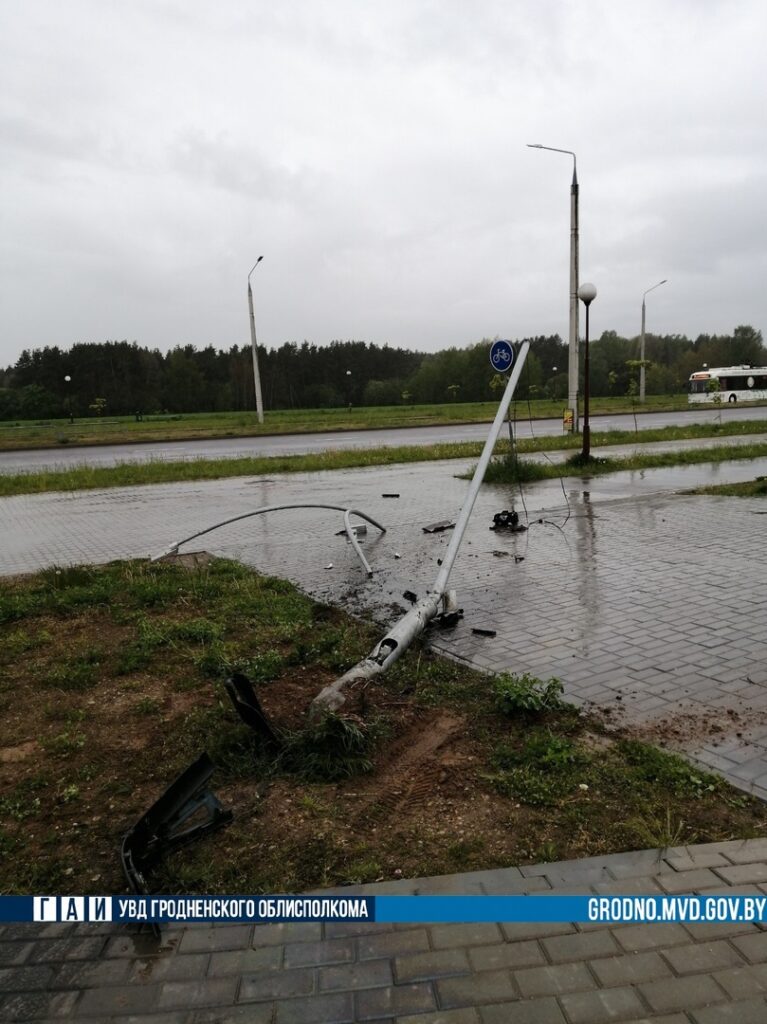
685,730
11,755
190,559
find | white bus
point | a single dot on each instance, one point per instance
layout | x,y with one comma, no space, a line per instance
729,384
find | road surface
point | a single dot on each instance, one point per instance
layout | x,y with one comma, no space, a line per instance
298,444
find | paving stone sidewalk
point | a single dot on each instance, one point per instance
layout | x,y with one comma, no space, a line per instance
648,605
637,599
693,973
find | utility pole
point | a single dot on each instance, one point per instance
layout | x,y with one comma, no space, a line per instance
256,374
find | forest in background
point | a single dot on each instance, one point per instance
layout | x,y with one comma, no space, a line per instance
123,378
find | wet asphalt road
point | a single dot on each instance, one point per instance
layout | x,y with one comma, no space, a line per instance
295,444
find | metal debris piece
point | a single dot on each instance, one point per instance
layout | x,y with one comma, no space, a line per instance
507,520
451,613
187,809
329,565
248,707
348,528
483,632
440,527
390,495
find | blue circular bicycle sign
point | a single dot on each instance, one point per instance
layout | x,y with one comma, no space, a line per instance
501,356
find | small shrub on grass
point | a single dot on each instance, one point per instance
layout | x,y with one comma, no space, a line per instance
329,748
511,469
674,774
526,695
64,744
540,771
75,674
196,631
264,667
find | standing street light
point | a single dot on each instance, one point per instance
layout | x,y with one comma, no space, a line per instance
641,346
68,381
572,359
586,293
256,374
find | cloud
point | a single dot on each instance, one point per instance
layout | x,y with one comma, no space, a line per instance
375,154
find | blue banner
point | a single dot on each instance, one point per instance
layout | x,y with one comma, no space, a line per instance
397,909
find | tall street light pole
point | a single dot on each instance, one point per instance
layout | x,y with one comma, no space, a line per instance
572,358
256,374
586,293
641,345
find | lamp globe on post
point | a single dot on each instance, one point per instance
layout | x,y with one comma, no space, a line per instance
586,293
68,381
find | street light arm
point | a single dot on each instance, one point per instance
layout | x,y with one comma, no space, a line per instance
553,149
664,281
253,268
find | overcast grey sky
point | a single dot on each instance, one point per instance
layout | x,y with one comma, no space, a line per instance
374,153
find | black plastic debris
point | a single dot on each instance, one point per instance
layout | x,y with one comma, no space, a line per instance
440,527
447,619
247,706
508,520
186,810
410,596
483,632
390,495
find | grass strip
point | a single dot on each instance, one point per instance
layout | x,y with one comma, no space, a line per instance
746,489
111,683
508,470
21,434
154,472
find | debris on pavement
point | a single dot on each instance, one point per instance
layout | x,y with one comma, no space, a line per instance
478,631
440,527
508,520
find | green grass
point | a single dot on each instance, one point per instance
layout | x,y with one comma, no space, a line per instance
510,471
747,489
133,474
20,434
126,691
525,695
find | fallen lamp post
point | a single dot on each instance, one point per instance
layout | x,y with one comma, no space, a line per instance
412,624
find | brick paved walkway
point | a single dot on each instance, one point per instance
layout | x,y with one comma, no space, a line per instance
650,606
639,600
419,973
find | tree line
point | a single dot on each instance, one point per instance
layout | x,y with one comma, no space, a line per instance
123,378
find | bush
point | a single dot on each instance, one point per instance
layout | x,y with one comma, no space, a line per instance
527,695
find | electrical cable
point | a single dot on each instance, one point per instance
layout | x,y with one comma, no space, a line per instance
546,457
